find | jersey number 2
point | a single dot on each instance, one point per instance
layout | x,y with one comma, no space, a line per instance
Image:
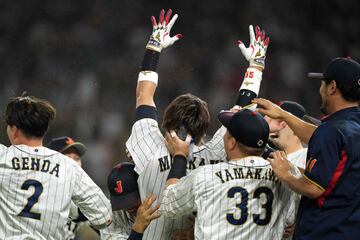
244,208
32,200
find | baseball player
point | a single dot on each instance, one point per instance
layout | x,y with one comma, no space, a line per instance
37,184
74,150
186,113
237,199
281,134
130,217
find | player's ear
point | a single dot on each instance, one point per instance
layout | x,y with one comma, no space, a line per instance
283,125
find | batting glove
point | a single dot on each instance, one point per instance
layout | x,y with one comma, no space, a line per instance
160,37
256,52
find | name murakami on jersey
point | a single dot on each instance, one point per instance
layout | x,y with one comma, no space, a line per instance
165,163
35,164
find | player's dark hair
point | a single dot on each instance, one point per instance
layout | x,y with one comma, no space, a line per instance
350,94
30,114
190,111
249,151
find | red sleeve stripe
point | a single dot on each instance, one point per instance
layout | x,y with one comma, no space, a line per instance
337,174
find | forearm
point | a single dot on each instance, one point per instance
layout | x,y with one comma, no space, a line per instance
177,171
134,235
301,128
302,186
147,79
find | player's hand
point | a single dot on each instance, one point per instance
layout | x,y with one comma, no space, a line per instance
176,146
256,51
145,214
289,231
160,37
269,108
280,164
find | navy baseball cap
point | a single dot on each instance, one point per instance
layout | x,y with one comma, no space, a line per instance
299,111
345,71
123,188
62,144
246,126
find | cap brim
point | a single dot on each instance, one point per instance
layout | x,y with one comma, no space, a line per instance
78,146
316,75
124,202
312,120
224,117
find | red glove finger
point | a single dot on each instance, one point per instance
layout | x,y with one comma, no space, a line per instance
267,40
153,21
168,15
161,17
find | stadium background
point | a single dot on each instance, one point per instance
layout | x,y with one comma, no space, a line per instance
84,55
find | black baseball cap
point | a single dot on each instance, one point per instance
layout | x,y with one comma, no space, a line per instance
345,71
123,188
62,144
299,111
246,126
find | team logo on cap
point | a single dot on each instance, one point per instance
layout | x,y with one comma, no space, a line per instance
260,143
69,141
119,188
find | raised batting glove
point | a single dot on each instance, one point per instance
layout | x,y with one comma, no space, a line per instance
160,37
256,52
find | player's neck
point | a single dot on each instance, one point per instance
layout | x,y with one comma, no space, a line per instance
293,146
31,142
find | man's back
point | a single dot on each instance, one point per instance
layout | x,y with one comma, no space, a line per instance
36,187
239,199
153,162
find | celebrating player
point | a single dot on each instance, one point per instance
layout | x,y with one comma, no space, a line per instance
130,216
185,114
74,150
37,184
329,207
237,199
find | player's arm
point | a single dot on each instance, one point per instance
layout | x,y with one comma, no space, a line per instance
299,184
302,129
91,200
180,150
255,54
159,39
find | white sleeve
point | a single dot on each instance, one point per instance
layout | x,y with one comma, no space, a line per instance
144,141
3,148
74,211
215,147
91,200
179,199
119,229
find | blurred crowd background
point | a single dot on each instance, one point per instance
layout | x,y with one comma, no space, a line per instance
84,56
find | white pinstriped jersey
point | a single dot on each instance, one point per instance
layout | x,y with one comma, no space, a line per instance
240,199
36,188
120,228
298,158
71,227
153,162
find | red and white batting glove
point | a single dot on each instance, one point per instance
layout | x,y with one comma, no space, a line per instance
256,51
160,37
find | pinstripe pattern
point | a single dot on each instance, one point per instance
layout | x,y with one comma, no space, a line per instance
298,158
153,161
120,228
59,186
206,193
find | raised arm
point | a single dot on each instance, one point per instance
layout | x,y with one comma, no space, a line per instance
159,39
255,54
